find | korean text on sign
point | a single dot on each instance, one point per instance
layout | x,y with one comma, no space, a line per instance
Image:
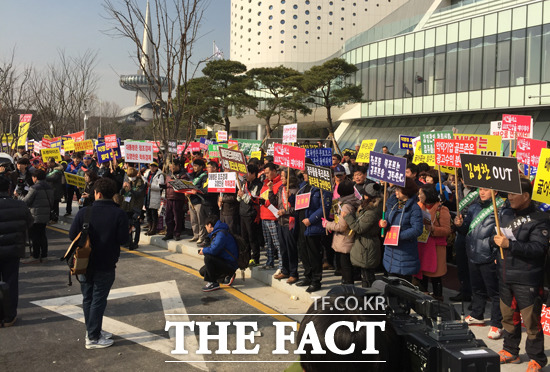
516,123
541,187
405,142
319,177
139,152
387,168
222,182
232,160
486,145
290,133
420,157
364,151
321,156
447,152
427,140
289,156
491,172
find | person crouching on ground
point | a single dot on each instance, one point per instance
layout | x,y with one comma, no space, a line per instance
220,257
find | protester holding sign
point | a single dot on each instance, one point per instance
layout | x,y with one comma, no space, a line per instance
154,179
403,226
285,201
479,226
434,252
54,177
342,240
133,192
272,183
249,211
311,253
198,211
366,250
73,168
521,275
175,203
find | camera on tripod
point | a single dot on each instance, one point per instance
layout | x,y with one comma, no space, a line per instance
431,338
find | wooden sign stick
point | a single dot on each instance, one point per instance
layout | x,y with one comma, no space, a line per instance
384,207
323,204
497,221
456,190
440,183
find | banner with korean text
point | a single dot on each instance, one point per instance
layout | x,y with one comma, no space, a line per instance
387,168
222,182
319,177
447,151
139,152
541,187
289,156
363,156
232,160
491,172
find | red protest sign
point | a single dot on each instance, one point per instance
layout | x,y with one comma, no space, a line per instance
528,151
46,143
392,236
302,201
447,151
516,123
111,142
289,156
77,136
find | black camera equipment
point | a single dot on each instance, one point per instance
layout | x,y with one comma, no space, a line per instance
430,336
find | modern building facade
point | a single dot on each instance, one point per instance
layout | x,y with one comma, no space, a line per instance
422,65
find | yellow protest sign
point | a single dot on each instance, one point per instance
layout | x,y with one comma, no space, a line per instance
83,145
486,145
50,153
419,157
541,187
364,152
73,179
448,170
201,132
256,154
68,145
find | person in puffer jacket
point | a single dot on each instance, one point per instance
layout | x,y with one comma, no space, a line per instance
342,240
479,227
402,210
521,275
40,201
366,251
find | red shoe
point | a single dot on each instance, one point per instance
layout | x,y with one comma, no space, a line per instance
533,366
507,358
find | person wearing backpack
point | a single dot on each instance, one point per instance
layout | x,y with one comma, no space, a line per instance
108,230
220,257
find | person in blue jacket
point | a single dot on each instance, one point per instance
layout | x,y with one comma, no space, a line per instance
220,257
311,253
402,210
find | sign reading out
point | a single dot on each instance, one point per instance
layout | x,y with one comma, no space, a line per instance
387,168
491,172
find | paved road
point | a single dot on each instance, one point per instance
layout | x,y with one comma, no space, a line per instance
49,334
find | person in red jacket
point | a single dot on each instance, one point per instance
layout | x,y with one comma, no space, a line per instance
272,183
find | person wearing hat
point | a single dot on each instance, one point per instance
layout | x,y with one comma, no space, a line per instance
342,240
366,250
154,179
133,191
404,213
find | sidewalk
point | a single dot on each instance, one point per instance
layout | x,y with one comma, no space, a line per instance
289,298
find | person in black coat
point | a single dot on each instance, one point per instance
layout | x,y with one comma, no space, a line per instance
521,275
108,231
15,219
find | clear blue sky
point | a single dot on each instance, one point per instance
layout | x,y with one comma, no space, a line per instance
38,29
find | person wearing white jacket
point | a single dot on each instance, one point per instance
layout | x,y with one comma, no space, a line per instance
153,178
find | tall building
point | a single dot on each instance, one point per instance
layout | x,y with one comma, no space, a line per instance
422,64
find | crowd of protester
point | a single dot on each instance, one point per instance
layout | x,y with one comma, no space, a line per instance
340,231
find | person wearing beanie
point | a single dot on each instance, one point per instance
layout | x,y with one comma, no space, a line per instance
403,212
366,250
343,240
